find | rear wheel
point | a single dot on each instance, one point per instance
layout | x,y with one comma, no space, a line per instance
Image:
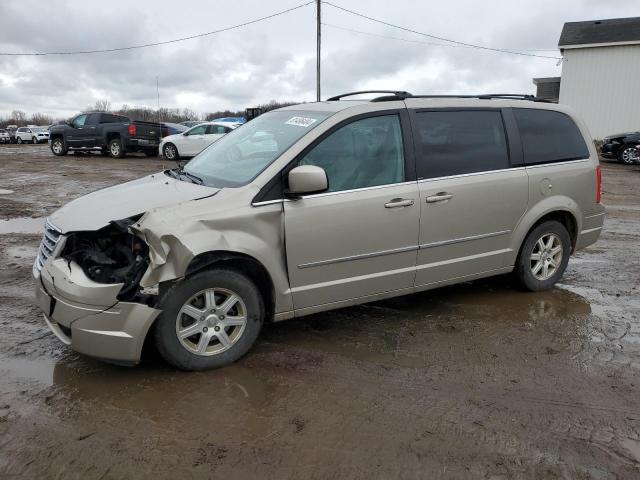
19,140
209,320
58,147
544,256
115,148
629,154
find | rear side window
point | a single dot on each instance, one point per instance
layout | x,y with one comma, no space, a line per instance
549,136
458,142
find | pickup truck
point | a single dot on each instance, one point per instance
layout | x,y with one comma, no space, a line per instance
112,134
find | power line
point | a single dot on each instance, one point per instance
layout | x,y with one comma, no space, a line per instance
435,37
426,43
176,40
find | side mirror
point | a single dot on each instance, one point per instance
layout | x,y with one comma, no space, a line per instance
307,179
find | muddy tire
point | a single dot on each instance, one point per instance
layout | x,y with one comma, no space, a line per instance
544,256
116,149
170,152
209,320
58,148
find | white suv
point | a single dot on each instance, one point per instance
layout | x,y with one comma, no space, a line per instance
32,135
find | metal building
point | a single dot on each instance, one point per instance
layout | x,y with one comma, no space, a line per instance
601,73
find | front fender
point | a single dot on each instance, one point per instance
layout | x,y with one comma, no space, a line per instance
253,231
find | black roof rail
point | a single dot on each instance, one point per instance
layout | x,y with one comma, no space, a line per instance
489,96
394,94
402,95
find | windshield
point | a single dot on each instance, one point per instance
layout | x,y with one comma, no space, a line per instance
238,157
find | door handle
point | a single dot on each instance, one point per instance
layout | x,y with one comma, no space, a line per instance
439,197
398,203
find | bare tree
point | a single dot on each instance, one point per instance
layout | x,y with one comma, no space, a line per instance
41,119
103,105
19,117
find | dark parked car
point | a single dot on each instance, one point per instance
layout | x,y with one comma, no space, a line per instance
112,134
622,147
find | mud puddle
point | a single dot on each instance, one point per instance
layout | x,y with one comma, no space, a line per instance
22,225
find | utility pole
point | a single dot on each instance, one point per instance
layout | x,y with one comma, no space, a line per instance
318,27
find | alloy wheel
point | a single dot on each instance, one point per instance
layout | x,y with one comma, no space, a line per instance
115,149
211,321
546,256
630,155
57,146
170,152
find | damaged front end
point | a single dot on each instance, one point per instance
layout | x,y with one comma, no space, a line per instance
89,291
111,255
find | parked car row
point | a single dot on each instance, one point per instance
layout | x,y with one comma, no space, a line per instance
117,135
28,134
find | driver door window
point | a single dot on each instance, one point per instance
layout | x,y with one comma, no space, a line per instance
364,153
79,121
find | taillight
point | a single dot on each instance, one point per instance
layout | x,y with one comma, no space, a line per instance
133,129
599,184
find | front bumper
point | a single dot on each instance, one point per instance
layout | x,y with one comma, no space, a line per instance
609,150
114,333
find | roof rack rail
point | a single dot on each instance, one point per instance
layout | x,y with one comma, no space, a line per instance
402,95
394,94
489,96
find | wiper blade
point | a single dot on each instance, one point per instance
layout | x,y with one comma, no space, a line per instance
192,177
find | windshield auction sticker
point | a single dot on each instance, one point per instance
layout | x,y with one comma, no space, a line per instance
300,121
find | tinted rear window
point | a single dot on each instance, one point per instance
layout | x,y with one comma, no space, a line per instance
457,142
549,136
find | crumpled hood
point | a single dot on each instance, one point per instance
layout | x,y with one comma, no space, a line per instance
97,209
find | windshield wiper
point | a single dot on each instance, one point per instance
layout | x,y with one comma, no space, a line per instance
191,177
180,172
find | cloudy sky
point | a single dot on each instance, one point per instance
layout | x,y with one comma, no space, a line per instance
274,59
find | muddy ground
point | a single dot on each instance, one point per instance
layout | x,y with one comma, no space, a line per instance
478,380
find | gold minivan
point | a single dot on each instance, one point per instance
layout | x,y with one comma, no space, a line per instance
314,207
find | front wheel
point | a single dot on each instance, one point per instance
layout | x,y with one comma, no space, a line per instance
115,148
209,320
170,152
544,256
629,154
58,148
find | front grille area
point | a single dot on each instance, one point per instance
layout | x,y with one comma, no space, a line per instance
48,244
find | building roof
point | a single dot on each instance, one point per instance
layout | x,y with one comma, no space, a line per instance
541,80
615,30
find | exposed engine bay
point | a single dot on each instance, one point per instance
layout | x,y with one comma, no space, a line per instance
110,255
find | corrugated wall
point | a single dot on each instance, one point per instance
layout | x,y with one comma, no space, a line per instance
603,85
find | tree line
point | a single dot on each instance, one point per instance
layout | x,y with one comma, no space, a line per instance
171,115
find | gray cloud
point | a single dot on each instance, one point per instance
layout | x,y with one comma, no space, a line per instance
271,60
